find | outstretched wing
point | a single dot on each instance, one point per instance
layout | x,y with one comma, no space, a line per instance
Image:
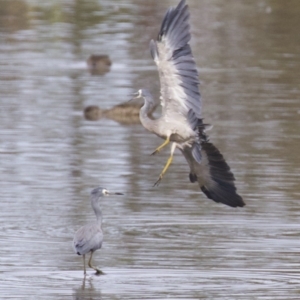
176,66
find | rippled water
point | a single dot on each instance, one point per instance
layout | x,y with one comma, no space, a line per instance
163,242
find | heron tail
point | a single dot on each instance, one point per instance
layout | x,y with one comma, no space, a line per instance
220,187
213,174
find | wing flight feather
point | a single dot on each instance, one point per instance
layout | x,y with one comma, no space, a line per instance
176,66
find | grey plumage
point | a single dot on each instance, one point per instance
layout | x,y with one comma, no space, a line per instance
89,237
181,118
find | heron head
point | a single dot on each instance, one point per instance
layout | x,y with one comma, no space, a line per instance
99,191
142,93
138,94
105,192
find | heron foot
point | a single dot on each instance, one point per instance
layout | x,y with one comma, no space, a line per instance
166,142
99,272
155,152
165,168
158,181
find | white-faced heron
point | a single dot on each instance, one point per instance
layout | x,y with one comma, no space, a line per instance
89,237
181,119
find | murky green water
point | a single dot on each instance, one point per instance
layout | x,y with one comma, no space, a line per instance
163,242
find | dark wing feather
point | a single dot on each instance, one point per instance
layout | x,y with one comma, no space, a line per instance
220,187
213,174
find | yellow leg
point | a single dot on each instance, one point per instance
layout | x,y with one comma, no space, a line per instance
169,161
165,143
98,272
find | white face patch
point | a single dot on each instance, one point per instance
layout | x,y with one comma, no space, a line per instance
140,93
105,192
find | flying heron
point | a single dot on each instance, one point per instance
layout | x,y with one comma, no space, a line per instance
181,119
89,237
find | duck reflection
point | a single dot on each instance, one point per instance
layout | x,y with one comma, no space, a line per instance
99,64
126,113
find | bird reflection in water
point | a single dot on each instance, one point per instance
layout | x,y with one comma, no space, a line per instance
126,113
86,290
99,64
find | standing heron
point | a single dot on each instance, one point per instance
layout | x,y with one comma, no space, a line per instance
89,237
181,120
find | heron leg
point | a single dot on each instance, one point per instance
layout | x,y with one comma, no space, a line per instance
165,143
173,147
98,271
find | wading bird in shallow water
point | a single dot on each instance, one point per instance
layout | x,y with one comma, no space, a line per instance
89,238
181,120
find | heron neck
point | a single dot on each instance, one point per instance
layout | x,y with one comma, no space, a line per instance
146,109
97,210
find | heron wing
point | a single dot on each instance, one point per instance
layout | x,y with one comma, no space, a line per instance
176,66
87,238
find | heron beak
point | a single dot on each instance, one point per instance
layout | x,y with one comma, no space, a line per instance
132,96
110,193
